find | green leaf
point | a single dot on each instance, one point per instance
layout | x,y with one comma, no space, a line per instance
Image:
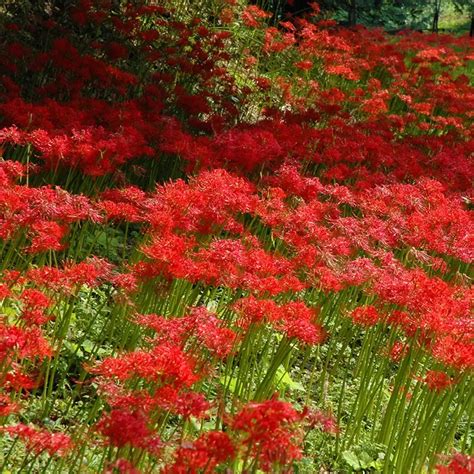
365,460
352,459
285,380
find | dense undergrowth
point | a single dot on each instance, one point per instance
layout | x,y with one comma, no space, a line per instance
231,247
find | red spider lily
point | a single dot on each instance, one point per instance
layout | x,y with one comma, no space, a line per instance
123,466
5,292
126,428
125,281
323,421
456,352
7,406
17,379
46,236
91,272
252,14
304,65
398,351
35,299
200,324
227,262
25,343
294,319
39,440
45,214
164,362
366,315
165,398
207,329
35,317
436,380
270,432
184,403
175,330
204,454
276,41
459,464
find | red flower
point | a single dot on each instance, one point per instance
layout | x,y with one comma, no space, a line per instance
46,235
323,421
270,432
123,466
126,428
294,319
304,65
366,315
25,343
164,362
35,299
438,381
4,291
202,455
207,328
39,440
7,406
459,464
454,352
183,403
252,14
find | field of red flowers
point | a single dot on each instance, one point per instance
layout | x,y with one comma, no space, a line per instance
228,246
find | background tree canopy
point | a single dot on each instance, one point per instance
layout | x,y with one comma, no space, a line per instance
390,14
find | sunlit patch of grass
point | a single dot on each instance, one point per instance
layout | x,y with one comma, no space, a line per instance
451,19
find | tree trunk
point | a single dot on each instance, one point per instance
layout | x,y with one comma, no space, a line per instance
434,27
352,13
471,31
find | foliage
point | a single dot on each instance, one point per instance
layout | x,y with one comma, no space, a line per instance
393,15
